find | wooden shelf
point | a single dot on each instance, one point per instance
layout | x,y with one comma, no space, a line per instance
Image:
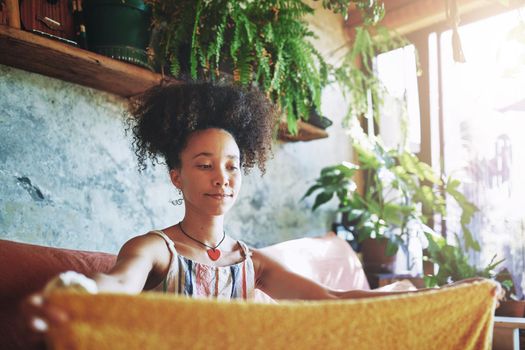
307,132
35,53
38,54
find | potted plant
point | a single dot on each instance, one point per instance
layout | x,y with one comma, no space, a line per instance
452,261
390,211
119,29
265,42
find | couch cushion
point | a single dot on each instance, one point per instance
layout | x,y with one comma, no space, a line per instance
328,260
25,269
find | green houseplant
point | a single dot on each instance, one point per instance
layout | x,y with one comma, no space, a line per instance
454,265
400,192
266,42
453,262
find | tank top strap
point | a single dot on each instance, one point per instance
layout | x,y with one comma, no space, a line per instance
246,252
169,243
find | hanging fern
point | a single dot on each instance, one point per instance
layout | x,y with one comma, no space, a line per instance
263,58
359,82
264,42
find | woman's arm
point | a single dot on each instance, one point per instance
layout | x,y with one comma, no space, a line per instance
279,283
140,261
141,257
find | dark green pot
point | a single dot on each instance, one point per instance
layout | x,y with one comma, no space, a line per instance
318,120
119,29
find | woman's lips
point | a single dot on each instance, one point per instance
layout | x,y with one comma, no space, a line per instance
219,196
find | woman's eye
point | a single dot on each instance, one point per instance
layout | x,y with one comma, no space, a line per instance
204,166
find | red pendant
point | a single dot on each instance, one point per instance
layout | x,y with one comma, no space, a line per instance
214,254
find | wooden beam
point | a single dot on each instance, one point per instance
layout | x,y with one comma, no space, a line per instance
13,13
406,16
35,53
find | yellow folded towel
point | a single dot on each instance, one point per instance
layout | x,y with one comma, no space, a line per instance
459,317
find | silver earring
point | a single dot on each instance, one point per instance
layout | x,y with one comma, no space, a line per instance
178,201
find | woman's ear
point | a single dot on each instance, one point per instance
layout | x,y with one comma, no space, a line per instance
175,178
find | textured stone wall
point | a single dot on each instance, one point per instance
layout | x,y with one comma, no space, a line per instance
69,178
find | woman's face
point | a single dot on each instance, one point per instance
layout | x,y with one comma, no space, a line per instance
210,176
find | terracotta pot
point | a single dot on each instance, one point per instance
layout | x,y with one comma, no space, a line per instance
375,259
511,308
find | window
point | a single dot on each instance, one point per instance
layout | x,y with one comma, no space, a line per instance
468,120
397,70
483,118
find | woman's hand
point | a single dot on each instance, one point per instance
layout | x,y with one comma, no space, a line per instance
466,280
498,292
40,315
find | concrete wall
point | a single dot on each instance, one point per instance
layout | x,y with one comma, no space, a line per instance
69,178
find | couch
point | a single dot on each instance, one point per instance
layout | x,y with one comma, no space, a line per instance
25,269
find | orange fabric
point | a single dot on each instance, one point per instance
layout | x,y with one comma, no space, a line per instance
459,317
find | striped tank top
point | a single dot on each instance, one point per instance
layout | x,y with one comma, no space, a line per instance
197,280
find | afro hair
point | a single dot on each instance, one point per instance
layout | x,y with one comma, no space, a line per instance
163,117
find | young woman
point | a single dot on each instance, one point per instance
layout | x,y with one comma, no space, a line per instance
207,135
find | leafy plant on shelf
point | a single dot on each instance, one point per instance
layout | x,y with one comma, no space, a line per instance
266,42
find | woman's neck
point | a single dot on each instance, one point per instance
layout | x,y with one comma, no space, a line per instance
208,229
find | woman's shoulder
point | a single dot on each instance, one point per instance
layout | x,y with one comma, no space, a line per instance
150,244
261,260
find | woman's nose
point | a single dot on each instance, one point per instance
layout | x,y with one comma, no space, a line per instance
221,178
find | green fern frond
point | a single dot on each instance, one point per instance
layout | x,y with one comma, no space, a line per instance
250,30
263,73
215,45
244,67
278,71
194,42
267,33
291,120
235,43
175,67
